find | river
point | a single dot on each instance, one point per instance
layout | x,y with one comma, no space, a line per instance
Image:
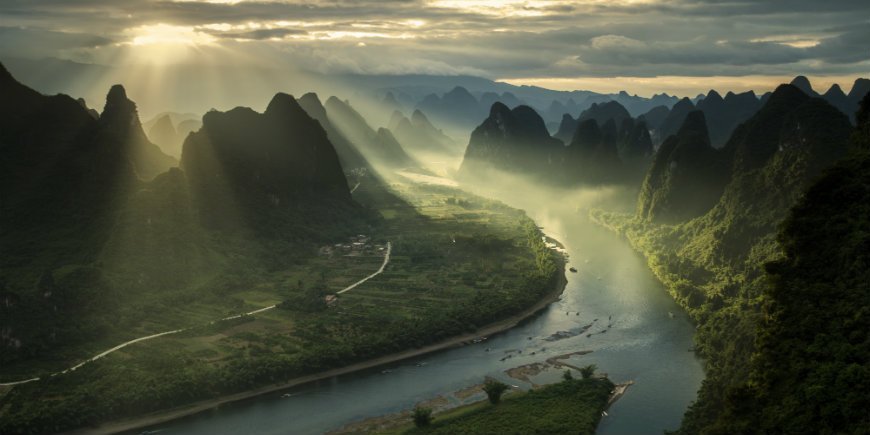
648,343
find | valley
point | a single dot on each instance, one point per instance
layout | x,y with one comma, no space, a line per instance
238,238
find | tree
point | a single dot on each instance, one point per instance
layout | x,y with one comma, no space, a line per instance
588,371
422,416
494,389
567,375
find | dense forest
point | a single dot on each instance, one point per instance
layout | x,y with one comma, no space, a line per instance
775,274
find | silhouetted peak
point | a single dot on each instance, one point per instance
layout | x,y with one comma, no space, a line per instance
786,95
803,83
859,89
117,94
835,91
164,122
283,105
498,109
684,104
419,117
118,106
458,92
624,94
567,118
311,97
530,121
310,103
695,124
713,96
430,99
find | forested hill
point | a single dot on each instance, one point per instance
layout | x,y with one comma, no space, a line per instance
713,264
810,371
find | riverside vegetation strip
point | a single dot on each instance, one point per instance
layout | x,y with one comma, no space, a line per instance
488,260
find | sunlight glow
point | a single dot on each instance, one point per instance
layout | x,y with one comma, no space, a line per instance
166,34
796,41
676,85
523,8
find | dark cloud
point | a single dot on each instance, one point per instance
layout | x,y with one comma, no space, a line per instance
258,34
533,39
17,41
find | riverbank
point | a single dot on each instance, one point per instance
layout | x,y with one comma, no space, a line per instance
198,407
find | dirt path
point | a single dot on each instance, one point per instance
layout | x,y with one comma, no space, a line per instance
379,271
175,331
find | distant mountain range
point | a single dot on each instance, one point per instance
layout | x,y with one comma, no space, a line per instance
456,104
516,141
606,144
169,130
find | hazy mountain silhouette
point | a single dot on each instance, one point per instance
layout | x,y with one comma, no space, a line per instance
253,162
725,114
803,83
512,140
457,107
168,130
672,123
687,175
655,117
592,156
634,144
418,134
601,113
376,148
348,154
64,177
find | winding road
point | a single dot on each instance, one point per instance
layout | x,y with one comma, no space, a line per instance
175,331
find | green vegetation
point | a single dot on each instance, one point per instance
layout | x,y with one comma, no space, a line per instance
781,342
587,371
422,417
494,389
571,406
453,269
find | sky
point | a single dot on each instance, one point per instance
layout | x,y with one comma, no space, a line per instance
682,47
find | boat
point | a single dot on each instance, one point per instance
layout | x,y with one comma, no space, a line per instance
573,269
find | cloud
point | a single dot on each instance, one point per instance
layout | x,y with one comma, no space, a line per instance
531,38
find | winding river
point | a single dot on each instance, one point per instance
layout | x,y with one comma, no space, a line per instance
648,343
